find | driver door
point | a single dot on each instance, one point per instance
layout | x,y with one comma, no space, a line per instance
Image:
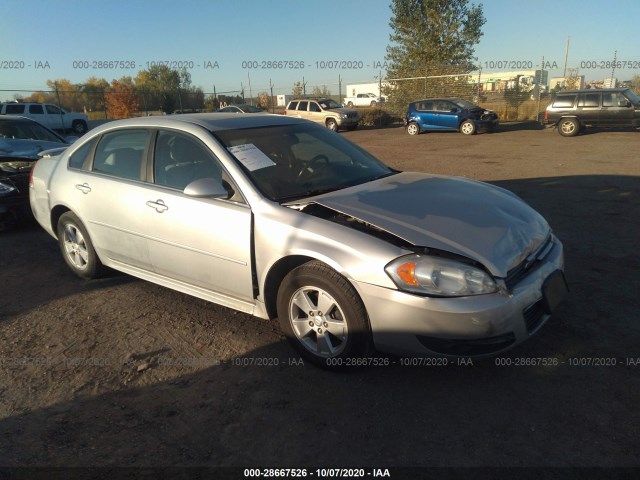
203,243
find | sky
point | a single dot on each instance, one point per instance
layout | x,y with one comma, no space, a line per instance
251,44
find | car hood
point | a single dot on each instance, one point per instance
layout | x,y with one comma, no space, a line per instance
13,147
480,221
343,110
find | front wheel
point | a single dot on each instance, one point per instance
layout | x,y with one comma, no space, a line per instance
79,127
76,247
332,125
322,316
468,127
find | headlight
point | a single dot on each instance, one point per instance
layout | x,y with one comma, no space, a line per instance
343,115
439,276
6,188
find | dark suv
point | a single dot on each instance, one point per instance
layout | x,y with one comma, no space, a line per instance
574,110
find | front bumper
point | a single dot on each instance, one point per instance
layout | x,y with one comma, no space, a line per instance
481,325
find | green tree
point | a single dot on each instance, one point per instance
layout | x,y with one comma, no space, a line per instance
321,91
297,90
635,84
93,91
158,87
431,38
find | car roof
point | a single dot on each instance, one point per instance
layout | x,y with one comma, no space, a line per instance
209,121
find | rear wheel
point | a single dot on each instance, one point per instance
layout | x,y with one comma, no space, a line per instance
413,129
322,316
76,247
350,104
568,127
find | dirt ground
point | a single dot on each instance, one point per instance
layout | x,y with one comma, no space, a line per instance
121,372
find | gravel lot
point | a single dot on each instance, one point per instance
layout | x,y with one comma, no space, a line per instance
123,372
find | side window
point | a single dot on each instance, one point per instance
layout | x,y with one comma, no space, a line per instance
14,109
293,106
180,159
589,100
53,109
564,101
80,158
425,106
613,99
36,109
120,153
303,106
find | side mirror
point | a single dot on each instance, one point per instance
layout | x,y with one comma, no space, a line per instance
454,110
206,188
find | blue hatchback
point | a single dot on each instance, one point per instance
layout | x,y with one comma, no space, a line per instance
449,114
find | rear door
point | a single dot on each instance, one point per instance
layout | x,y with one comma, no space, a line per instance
589,108
108,194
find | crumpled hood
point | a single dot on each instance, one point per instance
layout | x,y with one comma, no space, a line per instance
480,221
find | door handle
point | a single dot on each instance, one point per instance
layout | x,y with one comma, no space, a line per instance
159,205
84,188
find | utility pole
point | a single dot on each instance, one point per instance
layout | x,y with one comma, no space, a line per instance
566,56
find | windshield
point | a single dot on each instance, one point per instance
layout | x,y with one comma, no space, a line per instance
289,162
249,109
328,104
464,104
632,96
25,130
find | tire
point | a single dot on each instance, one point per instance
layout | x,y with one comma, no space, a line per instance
468,128
413,128
350,104
374,104
332,125
76,247
79,127
325,338
568,127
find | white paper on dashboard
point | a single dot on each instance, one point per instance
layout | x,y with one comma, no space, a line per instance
251,156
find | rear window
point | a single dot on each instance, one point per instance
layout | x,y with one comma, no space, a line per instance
36,109
564,101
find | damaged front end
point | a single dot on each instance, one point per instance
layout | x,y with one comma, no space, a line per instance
14,191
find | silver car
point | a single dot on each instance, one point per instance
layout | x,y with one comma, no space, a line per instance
281,218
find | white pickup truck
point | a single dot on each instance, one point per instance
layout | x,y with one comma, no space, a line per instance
363,100
51,116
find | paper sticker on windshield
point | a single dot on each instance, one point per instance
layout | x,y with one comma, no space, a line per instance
251,156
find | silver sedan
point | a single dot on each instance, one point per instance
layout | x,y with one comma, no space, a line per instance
281,218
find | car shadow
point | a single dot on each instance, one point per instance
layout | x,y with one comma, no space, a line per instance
27,250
